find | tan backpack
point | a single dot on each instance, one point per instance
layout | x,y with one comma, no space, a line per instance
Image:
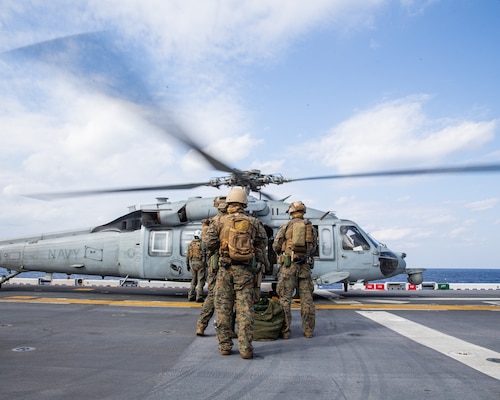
237,237
195,247
298,235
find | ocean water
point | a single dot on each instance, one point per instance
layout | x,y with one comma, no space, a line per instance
437,275
455,275
443,275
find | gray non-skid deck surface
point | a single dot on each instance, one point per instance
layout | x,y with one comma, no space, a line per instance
87,351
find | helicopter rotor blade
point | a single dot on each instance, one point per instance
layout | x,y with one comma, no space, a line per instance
117,71
407,172
82,193
174,129
170,127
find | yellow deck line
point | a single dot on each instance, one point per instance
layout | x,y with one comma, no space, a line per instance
185,304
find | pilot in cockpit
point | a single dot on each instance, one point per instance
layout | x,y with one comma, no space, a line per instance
347,242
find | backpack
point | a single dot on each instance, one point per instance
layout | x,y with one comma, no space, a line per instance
195,247
237,232
300,235
268,320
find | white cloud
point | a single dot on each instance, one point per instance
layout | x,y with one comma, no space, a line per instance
458,232
268,166
228,29
233,149
482,205
398,134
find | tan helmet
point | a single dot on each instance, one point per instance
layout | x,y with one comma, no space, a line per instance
220,202
296,206
237,195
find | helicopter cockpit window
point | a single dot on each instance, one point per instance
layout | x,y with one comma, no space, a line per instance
160,243
352,239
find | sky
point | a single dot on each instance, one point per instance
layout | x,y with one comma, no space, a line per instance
289,87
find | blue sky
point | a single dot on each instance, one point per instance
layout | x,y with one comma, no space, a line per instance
301,89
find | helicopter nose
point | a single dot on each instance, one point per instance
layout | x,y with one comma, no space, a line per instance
402,262
390,263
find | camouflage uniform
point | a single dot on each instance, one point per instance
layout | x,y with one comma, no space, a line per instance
208,307
198,269
234,287
296,276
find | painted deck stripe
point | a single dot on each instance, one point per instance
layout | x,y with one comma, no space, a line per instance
467,353
186,304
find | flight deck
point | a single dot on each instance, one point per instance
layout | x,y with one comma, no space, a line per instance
60,342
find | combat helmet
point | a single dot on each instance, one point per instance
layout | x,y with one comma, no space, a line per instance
296,206
220,202
237,195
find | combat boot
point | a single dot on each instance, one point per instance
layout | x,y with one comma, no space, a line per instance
200,331
247,356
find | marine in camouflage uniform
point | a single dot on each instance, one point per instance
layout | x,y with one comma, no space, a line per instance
235,283
197,265
296,276
208,307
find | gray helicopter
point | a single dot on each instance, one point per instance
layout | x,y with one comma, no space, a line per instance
151,242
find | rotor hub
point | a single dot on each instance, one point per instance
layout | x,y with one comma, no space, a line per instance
253,180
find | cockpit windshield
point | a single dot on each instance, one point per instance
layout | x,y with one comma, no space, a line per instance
375,242
353,239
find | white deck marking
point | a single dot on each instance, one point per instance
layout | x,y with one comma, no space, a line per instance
467,353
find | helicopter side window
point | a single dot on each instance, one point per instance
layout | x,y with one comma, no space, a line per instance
160,243
324,248
326,242
352,239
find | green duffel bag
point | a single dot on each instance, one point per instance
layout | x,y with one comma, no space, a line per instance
268,320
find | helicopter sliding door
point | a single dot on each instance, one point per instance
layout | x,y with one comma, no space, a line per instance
165,252
130,256
326,265
160,260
